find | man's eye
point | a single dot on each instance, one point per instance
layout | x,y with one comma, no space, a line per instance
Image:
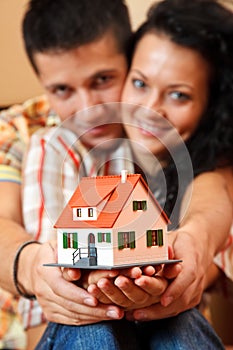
102,80
180,96
138,83
61,91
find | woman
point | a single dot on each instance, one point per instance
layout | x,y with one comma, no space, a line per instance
181,68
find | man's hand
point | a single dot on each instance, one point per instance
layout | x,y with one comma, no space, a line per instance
62,301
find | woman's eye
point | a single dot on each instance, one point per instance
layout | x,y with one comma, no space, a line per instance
138,83
180,96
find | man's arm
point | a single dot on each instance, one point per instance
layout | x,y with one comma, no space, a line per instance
12,234
61,300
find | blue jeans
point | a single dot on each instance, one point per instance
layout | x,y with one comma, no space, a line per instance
187,331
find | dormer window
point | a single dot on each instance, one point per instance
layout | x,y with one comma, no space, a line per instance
84,213
90,212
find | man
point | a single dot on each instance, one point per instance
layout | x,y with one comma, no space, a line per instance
78,51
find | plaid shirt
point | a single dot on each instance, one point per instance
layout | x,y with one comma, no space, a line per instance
70,160
17,124
53,166
224,260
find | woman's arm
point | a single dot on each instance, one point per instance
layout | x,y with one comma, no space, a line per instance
206,220
203,231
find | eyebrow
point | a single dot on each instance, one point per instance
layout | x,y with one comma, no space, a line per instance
105,71
55,85
139,72
93,76
181,85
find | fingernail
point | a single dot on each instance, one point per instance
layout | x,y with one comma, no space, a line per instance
89,301
112,314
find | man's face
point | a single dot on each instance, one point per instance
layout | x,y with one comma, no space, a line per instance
89,75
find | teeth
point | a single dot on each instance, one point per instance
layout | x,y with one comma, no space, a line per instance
148,127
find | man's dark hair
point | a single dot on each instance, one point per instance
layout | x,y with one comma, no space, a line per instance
60,25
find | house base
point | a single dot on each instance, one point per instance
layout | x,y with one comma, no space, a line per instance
107,267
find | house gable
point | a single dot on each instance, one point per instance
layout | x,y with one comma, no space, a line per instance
93,191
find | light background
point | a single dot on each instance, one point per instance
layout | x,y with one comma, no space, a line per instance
17,80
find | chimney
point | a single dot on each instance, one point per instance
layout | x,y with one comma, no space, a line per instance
124,176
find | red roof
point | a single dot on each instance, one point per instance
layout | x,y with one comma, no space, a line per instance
94,190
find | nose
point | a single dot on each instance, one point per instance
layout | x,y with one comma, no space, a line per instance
86,99
155,102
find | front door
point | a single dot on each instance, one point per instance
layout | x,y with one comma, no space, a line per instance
92,251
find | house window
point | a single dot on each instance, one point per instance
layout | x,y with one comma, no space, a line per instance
139,205
79,212
104,237
154,238
90,212
70,240
126,240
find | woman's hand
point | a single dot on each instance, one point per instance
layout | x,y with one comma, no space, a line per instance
129,288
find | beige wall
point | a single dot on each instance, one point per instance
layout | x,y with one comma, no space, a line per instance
138,9
17,78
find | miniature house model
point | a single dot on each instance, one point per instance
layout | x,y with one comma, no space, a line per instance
112,221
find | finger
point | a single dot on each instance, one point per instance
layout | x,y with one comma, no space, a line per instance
94,276
171,271
94,290
170,252
151,270
60,287
81,314
177,287
154,312
133,272
131,290
71,274
113,293
152,285
158,311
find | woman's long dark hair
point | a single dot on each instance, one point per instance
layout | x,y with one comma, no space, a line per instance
206,27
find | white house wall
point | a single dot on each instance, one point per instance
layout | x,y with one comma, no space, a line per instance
104,249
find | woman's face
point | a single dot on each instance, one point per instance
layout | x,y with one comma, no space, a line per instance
170,79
